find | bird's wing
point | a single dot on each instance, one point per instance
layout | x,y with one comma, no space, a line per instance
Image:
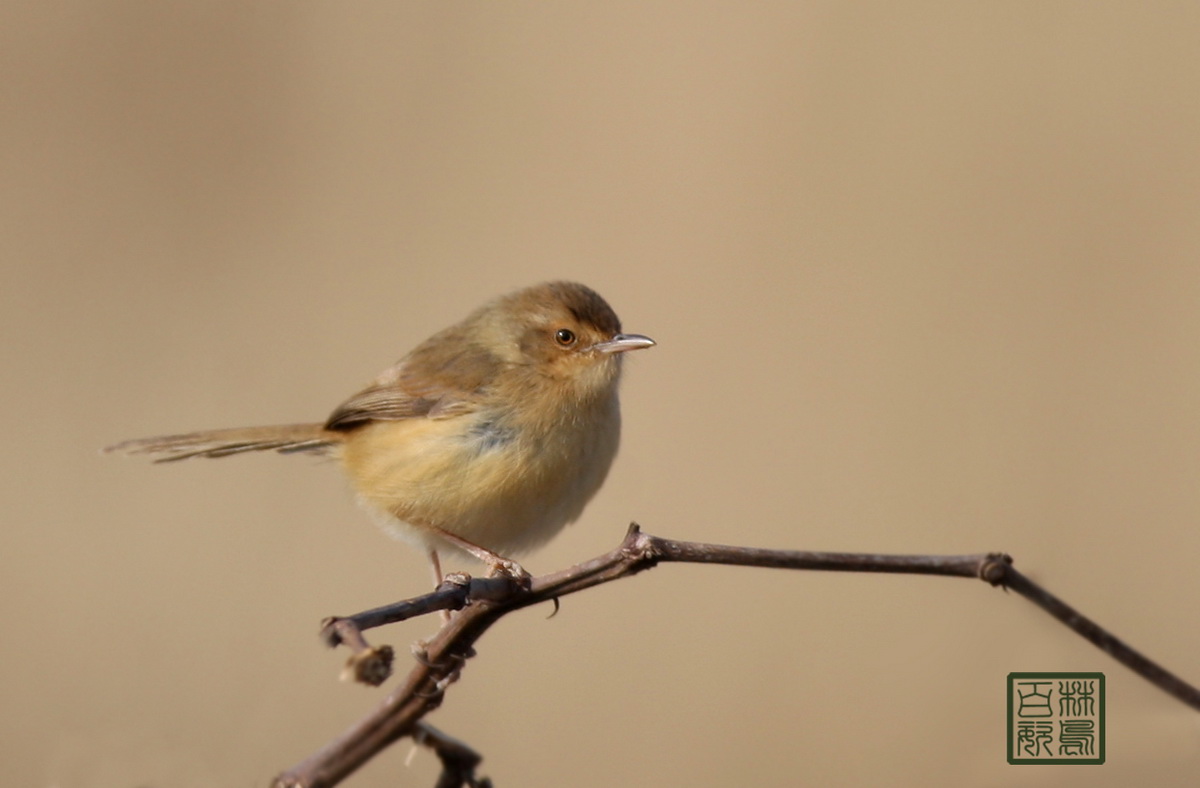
431,382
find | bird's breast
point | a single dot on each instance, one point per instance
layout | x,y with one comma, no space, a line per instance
504,485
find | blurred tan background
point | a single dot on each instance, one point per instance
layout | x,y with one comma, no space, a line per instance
925,277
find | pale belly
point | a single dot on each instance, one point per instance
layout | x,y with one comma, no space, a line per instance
504,490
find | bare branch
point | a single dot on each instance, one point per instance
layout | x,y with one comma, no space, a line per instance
1104,640
484,601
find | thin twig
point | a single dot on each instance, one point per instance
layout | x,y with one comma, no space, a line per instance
1105,641
485,601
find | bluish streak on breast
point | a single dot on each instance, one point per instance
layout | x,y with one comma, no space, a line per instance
489,436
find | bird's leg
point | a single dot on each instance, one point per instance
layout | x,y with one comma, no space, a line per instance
498,564
436,565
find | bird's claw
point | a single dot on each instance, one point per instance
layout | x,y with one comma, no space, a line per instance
505,567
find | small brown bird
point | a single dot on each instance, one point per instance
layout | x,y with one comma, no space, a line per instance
488,438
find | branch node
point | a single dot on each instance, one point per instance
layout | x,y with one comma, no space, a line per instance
994,570
642,548
371,667
338,631
328,632
455,580
454,660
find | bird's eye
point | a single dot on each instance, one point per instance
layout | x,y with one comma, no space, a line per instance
564,337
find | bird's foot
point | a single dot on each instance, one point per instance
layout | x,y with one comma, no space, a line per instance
506,567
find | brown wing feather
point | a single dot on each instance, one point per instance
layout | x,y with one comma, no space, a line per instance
444,376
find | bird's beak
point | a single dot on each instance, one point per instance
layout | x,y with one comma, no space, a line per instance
622,342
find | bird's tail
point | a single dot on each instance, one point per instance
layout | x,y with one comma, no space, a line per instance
285,438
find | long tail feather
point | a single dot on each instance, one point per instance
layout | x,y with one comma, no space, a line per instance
285,438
